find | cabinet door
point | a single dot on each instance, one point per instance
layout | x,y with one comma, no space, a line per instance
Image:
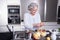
41,10
51,10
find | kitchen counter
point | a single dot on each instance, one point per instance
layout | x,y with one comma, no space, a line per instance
19,27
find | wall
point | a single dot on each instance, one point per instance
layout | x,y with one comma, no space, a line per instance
4,11
24,5
13,2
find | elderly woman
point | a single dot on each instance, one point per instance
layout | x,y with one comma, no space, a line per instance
32,19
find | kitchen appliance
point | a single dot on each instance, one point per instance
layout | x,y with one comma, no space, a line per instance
13,14
13,9
58,16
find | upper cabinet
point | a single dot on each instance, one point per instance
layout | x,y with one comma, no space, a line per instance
51,10
48,10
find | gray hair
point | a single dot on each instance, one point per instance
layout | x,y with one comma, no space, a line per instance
32,5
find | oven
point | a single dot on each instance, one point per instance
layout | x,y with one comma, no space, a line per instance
13,14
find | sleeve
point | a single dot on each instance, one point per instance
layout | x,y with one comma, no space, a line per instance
27,23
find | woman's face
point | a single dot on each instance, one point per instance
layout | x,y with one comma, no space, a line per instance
33,10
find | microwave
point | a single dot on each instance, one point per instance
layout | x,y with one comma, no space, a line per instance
13,9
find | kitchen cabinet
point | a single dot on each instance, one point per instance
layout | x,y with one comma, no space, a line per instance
41,9
48,9
51,10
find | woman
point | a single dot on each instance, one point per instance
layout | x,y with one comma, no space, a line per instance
32,19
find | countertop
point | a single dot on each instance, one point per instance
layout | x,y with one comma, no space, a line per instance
20,27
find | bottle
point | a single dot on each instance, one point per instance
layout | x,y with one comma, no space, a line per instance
53,36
